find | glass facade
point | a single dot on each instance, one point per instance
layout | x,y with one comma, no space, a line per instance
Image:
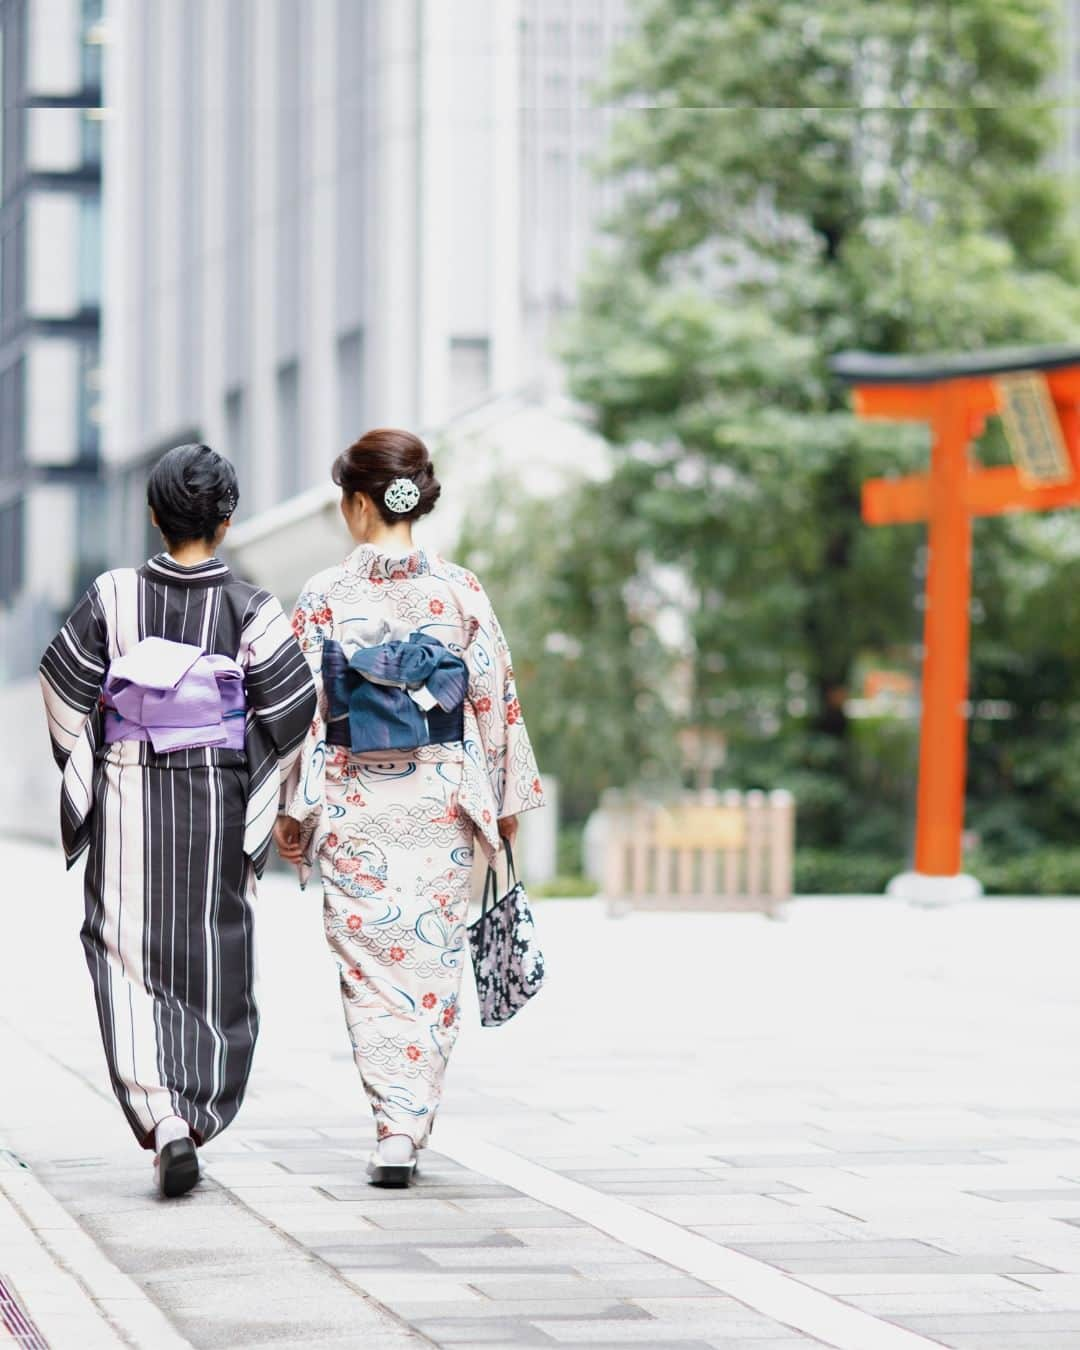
52,525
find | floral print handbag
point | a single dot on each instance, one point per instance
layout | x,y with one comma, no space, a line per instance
506,955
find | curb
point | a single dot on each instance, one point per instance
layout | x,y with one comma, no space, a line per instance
75,1297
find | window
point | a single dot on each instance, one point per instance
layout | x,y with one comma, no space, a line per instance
89,400
291,476
350,383
470,370
91,43
11,551
12,399
89,280
236,435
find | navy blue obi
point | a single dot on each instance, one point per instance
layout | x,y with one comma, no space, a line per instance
394,696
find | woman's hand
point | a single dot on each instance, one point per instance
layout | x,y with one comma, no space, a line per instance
287,838
508,828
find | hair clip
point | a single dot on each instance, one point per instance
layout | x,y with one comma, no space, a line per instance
227,504
401,496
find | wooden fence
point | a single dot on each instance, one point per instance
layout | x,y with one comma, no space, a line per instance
709,851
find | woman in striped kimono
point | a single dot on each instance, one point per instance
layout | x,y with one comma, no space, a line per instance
171,753
418,752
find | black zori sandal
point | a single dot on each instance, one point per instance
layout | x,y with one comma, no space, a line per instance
178,1168
391,1174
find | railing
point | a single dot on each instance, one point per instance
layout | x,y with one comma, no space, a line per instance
710,851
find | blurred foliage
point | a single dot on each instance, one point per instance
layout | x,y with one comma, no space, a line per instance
1041,871
820,871
589,665
796,179
573,886
1032,871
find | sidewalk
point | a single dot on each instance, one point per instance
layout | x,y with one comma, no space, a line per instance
859,1128
56,1287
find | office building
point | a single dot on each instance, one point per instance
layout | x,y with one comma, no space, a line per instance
332,214
51,535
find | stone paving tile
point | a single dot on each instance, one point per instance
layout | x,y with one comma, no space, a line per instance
718,1312
990,1263
876,1282
730,1234
1047,1195
645,1333
863,1251
761,1343
404,1260
619,1345
484,1309
599,1177
1020,1340
976,1323
730,1209
531,1286
415,1287
950,1302
451,1331
363,1239
703,1186
908,1158
256,1332
511,1208
460,1221
516,1255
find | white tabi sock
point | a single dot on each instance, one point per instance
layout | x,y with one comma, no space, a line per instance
396,1150
169,1129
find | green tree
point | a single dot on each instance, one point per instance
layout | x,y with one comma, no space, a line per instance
580,614
797,179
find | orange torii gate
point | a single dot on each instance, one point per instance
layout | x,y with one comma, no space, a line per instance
1036,392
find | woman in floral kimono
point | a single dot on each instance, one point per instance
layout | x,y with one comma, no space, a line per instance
418,752
175,694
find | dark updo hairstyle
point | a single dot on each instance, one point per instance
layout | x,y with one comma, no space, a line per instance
372,463
192,489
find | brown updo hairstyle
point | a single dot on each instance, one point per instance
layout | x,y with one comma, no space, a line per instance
372,463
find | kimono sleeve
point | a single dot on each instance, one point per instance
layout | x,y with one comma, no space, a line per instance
280,690
312,623
508,753
72,673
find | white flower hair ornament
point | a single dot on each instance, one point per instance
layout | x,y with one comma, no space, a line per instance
401,496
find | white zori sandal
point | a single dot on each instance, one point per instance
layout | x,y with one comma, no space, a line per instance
394,1162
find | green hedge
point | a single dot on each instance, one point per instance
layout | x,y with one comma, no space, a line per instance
564,888
820,871
1038,871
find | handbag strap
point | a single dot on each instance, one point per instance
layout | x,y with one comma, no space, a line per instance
491,881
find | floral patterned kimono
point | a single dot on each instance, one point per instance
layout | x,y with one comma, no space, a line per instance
393,832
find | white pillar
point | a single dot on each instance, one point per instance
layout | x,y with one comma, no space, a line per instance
210,273
392,313
318,245
506,317
122,217
433,199
262,332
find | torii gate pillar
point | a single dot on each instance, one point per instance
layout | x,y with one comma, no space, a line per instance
1037,393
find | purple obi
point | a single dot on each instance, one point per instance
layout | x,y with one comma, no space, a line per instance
175,696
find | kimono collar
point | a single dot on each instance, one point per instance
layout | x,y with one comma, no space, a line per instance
164,567
368,561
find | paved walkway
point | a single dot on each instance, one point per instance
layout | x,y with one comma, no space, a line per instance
858,1128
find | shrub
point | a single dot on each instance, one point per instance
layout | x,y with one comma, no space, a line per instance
563,888
821,871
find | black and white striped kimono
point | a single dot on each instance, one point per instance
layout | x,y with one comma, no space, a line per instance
175,840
